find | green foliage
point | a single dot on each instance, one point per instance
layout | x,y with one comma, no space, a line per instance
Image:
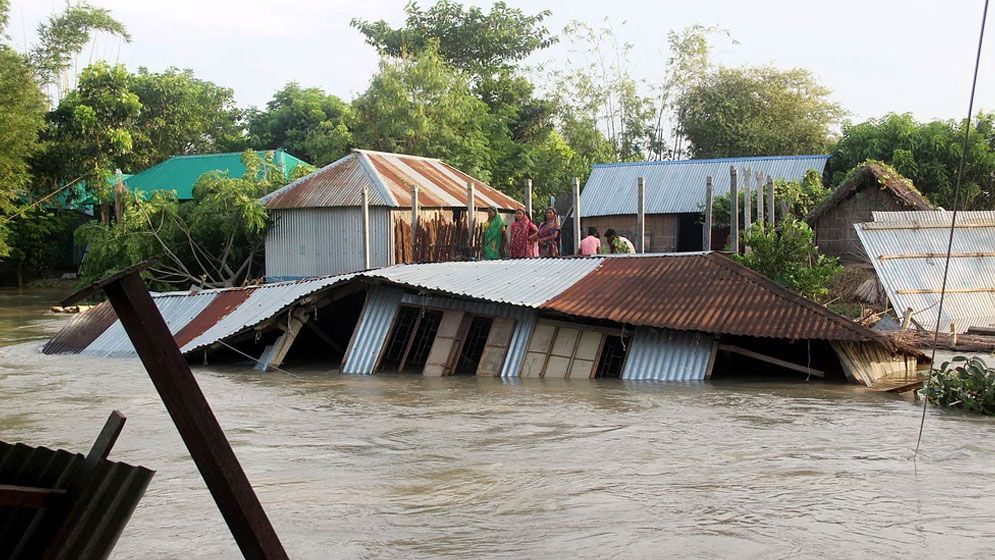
788,255
307,122
466,38
966,383
798,197
180,114
40,241
760,111
215,240
22,108
64,35
928,153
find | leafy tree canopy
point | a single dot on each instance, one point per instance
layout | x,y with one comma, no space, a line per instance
787,255
759,111
928,153
308,122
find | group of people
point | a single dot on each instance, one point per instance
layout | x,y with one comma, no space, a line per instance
523,239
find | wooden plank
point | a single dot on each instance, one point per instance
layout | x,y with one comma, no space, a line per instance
771,360
938,225
29,497
982,331
949,291
964,255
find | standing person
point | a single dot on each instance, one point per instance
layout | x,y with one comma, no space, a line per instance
494,230
618,243
549,235
523,236
590,245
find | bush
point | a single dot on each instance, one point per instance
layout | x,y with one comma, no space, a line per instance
787,255
963,382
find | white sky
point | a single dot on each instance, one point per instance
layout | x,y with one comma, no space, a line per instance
876,55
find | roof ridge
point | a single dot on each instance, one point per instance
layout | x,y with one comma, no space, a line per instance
425,158
710,160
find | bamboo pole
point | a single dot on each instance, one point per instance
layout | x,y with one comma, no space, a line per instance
760,199
706,241
414,222
936,256
734,209
577,214
770,200
747,207
641,214
471,213
366,228
528,198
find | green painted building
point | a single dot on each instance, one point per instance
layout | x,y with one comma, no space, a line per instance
180,173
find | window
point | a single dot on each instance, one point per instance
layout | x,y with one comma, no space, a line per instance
411,340
473,346
612,357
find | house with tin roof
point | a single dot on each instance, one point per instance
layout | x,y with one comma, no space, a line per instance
675,194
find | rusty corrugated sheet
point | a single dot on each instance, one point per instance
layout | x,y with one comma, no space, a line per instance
221,306
101,508
81,330
702,292
340,183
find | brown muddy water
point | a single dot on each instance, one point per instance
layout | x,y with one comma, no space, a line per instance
407,467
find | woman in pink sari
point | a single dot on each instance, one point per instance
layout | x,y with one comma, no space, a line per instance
549,235
523,237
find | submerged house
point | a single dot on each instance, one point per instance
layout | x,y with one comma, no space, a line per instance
908,251
675,194
181,173
677,317
873,188
318,219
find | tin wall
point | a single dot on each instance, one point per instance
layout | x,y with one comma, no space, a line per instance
371,332
665,355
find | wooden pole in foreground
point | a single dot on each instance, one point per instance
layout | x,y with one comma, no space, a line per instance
192,415
641,215
577,214
528,198
706,231
733,209
366,228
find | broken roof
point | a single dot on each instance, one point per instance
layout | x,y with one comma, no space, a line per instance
389,178
880,176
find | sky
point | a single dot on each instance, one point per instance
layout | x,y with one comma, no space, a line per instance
877,56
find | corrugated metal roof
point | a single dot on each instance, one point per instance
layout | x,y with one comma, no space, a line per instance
181,173
914,259
665,355
701,292
936,216
679,186
526,282
389,178
81,330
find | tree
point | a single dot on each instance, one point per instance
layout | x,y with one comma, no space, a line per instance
788,255
216,240
22,108
757,112
928,153
475,42
180,114
423,106
308,122
799,198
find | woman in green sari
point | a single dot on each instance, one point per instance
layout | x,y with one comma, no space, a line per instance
493,235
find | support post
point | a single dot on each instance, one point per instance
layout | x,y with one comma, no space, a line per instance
528,198
770,200
119,190
192,415
414,223
733,209
641,215
760,199
366,228
747,207
706,231
577,215
471,213
907,319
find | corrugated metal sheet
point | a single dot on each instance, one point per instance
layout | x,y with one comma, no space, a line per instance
309,242
519,343
701,292
526,282
176,310
81,330
371,333
100,514
679,186
223,303
665,355
265,302
389,178
925,271
938,216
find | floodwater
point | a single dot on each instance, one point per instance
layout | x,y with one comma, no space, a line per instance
407,467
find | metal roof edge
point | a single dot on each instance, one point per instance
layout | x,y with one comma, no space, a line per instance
713,160
378,152
364,160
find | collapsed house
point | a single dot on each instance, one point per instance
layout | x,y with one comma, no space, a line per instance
872,188
675,317
908,251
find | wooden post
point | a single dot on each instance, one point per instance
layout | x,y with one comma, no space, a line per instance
747,206
366,228
471,210
192,415
528,198
760,199
770,200
577,215
907,319
706,241
733,209
414,223
953,333
641,215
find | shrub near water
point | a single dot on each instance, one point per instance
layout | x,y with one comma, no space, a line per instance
963,382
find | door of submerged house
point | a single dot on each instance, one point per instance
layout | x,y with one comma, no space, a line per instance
410,340
469,344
